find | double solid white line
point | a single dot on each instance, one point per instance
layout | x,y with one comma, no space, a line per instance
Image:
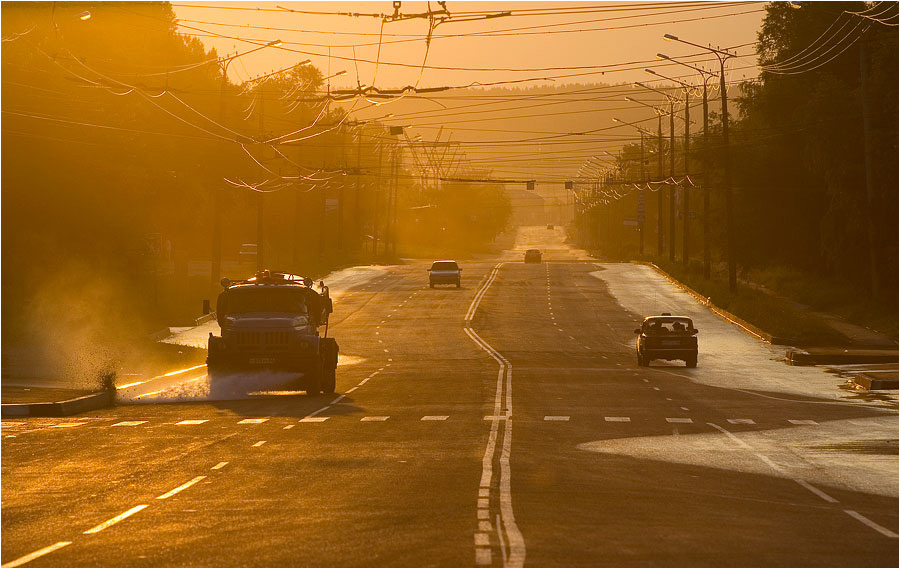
515,557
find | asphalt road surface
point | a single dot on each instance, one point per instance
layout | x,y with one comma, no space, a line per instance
503,423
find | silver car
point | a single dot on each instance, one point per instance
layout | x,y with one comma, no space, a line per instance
444,272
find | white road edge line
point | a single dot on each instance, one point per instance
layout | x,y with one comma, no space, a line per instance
115,520
516,556
184,486
39,553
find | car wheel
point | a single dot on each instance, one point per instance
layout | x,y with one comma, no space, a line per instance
640,359
431,285
458,283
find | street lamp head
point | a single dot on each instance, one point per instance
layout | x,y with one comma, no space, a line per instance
670,37
651,72
304,62
340,73
84,16
661,56
274,43
616,120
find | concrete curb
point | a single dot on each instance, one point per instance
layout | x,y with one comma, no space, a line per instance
875,381
724,314
825,356
90,402
205,318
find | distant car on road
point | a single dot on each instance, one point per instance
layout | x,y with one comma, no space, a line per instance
549,226
444,272
667,337
533,256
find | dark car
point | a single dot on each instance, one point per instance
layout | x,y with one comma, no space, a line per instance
444,272
532,256
667,337
549,226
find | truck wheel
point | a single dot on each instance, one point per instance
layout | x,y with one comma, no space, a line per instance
640,359
431,285
329,365
457,283
313,379
691,361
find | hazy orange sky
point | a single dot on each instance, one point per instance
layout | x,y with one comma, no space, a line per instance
638,38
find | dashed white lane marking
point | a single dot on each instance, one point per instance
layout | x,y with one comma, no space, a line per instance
352,389
742,421
288,427
184,486
40,553
484,492
483,556
374,418
816,491
617,419
802,422
484,502
253,421
66,425
855,515
485,526
655,388
219,466
556,417
192,422
496,417
685,409
882,530
435,417
117,519
259,443
128,423
314,419
645,380
678,420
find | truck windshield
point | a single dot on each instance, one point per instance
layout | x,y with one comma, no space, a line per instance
266,300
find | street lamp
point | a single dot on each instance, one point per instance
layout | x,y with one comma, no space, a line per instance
722,56
216,261
685,237
706,75
640,208
671,100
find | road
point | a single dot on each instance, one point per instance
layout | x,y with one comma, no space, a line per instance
503,423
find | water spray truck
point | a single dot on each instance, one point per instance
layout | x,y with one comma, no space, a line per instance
272,322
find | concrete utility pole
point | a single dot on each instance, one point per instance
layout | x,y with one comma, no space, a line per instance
377,201
356,220
722,56
641,200
686,209
672,174
260,213
660,231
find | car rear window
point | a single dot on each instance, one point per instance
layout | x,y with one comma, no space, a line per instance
668,326
444,266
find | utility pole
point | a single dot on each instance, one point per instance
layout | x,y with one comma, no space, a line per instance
707,257
260,217
356,220
377,200
686,209
672,175
871,212
660,246
641,200
216,256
